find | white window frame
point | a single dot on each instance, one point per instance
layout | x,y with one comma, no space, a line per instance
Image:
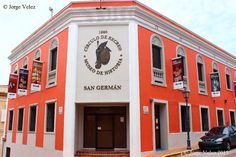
208,113
204,75
222,109
9,120
215,67
36,53
36,119
25,63
227,72
45,116
163,84
190,117
21,107
232,110
49,59
184,54
15,69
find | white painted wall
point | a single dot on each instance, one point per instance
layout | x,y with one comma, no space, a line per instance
31,139
69,112
179,140
134,105
49,141
18,150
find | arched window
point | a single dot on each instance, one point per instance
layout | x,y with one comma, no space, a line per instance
37,55
15,69
52,63
157,53
181,53
215,67
201,75
25,63
228,79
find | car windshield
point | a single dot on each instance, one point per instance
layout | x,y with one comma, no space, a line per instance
219,131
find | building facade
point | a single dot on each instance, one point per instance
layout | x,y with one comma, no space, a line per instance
106,82
3,103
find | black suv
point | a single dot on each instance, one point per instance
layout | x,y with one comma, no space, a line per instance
223,137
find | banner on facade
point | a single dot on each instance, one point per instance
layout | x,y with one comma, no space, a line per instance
12,86
177,64
36,76
23,82
215,84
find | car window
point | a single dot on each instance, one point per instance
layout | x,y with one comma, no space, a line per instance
234,128
231,130
225,131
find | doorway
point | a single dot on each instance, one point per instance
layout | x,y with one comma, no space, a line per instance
105,128
104,132
157,127
160,125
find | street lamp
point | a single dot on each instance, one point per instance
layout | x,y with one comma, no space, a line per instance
186,96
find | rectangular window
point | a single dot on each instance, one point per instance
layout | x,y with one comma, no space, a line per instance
10,124
53,59
32,120
200,71
156,57
205,120
50,117
20,119
228,81
184,118
232,118
220,117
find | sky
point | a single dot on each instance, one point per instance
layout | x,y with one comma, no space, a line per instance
213,20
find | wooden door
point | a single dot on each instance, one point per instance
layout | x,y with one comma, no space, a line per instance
104,129
157,127
89,131
120,131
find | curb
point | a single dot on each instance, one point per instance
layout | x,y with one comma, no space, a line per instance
180,153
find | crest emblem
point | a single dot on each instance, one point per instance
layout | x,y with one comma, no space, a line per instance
102,54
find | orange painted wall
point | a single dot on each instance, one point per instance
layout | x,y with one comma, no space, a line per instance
148,91
39,98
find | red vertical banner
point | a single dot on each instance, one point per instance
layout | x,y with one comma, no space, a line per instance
36,76
177,65
12,86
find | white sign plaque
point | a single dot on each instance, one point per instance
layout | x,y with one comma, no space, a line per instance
103,69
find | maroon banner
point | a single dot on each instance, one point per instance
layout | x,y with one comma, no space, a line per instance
36,76
12,86
177,65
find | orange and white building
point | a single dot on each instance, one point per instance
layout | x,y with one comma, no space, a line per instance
107,83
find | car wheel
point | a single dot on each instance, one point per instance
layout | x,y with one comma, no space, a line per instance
228,146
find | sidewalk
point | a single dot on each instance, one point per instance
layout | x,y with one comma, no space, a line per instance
173,152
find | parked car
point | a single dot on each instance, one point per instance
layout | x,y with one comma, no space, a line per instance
223,137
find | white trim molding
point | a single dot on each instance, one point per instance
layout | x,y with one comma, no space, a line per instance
220,109
232,110
190,116
164,137
208,114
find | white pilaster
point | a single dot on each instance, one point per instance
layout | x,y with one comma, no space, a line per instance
70,92
134,105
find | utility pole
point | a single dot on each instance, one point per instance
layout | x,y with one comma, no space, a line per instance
100,7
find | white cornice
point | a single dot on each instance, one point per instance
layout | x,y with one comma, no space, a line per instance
114,14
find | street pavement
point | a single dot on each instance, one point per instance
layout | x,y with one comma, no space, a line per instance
231,153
